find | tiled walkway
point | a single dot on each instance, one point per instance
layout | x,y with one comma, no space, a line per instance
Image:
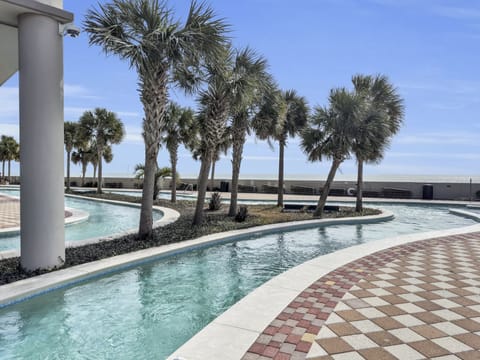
10,212
415,301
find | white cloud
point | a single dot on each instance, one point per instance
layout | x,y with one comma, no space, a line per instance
455,12
447,138
435,155
133,135
128,114
78,91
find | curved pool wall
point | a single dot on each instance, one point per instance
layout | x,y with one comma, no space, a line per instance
107,219
179,295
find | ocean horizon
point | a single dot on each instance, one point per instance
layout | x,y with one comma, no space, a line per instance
341,177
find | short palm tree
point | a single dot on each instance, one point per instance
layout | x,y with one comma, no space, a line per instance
252,68
159,174
69,140
180,129
281,117
163,52
373,134
329,135
103,128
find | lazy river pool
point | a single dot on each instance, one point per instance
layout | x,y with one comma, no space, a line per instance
148,311
105,219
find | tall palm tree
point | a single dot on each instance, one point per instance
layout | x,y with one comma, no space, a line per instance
283,116
329,135
93,158
252,68
103,128
221,148
163,52
3,153
83,156
180,129
69,139
214,109
11,151
373,134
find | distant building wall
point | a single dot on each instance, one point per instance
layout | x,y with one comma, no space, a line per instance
414,190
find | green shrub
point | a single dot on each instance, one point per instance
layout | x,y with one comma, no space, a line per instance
241,214
215,202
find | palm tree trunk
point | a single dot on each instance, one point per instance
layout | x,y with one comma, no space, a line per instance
94,172
280,173
146,217
68,170
173,162
84,171
359,204
9,170
326,188
237,151
3,168
202,189
99,179
212,178
154,100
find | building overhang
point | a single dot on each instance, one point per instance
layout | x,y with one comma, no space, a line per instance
10,10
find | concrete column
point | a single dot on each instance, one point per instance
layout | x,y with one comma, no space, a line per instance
41,142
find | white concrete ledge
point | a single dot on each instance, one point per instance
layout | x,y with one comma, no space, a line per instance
168,216
77,216
24,289
230,335
466,214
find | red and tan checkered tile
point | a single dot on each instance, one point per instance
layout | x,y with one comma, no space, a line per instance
10,212
416,301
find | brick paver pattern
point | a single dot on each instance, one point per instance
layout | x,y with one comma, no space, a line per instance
9,212
415,301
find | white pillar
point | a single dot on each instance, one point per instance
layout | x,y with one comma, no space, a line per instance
41,142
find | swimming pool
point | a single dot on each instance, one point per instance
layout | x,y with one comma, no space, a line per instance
149,311
105,219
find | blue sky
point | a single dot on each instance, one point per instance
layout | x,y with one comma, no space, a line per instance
429,50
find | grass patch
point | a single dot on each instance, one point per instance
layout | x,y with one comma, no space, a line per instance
181,230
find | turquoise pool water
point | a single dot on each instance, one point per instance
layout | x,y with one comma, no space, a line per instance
149,311
105,219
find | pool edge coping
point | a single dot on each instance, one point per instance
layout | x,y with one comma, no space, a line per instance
168,216
21,290
235,322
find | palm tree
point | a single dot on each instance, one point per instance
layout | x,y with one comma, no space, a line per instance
180,128
252,70
159,174
93,158
217,154
69,139
163,52
83,156
373,134
10,150
3,153
329,135
103,128
281,117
